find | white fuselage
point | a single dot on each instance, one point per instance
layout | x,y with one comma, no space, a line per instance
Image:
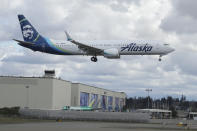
124,47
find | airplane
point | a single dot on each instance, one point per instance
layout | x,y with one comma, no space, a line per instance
111,49
82,108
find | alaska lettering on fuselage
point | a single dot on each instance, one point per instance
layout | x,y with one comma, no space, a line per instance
135,47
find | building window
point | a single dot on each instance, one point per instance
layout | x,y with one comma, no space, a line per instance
103,102
84,99
94,101
117,107
110,101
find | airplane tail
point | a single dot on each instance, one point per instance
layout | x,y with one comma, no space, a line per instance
28,31
91,104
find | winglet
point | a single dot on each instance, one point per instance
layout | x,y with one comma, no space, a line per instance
68,36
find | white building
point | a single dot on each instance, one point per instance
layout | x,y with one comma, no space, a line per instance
52,93
157,113
32,92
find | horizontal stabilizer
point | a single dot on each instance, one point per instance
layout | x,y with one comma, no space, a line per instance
24,42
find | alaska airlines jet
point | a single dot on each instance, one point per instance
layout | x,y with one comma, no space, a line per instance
82,108
111,49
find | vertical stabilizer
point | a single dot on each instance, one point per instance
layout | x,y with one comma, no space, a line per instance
28,31
91,104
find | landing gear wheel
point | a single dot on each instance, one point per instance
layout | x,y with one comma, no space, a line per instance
94,59
159,58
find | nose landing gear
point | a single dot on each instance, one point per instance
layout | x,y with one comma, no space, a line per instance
94,59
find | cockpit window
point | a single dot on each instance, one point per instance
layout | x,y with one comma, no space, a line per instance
166,44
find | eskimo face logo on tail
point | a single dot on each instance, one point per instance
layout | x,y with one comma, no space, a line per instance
28,32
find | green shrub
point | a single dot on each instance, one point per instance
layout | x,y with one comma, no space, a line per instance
9,111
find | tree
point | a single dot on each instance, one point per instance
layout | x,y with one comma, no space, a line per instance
174,112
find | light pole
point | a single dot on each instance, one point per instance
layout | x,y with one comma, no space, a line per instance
27,95
148,90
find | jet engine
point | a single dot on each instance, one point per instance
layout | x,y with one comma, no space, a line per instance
111,53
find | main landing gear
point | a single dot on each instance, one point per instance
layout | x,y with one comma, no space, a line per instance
94,59
160,58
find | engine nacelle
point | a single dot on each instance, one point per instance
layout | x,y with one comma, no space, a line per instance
111,53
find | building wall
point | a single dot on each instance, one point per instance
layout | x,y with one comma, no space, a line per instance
13,92
61,94
75,96
77,88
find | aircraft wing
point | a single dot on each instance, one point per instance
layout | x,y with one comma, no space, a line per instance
88,49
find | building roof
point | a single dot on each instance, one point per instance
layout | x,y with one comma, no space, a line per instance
29,77
59,79
99,88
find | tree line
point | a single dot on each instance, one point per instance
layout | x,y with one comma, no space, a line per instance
167,103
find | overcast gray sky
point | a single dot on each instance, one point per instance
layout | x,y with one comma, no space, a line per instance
172,21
